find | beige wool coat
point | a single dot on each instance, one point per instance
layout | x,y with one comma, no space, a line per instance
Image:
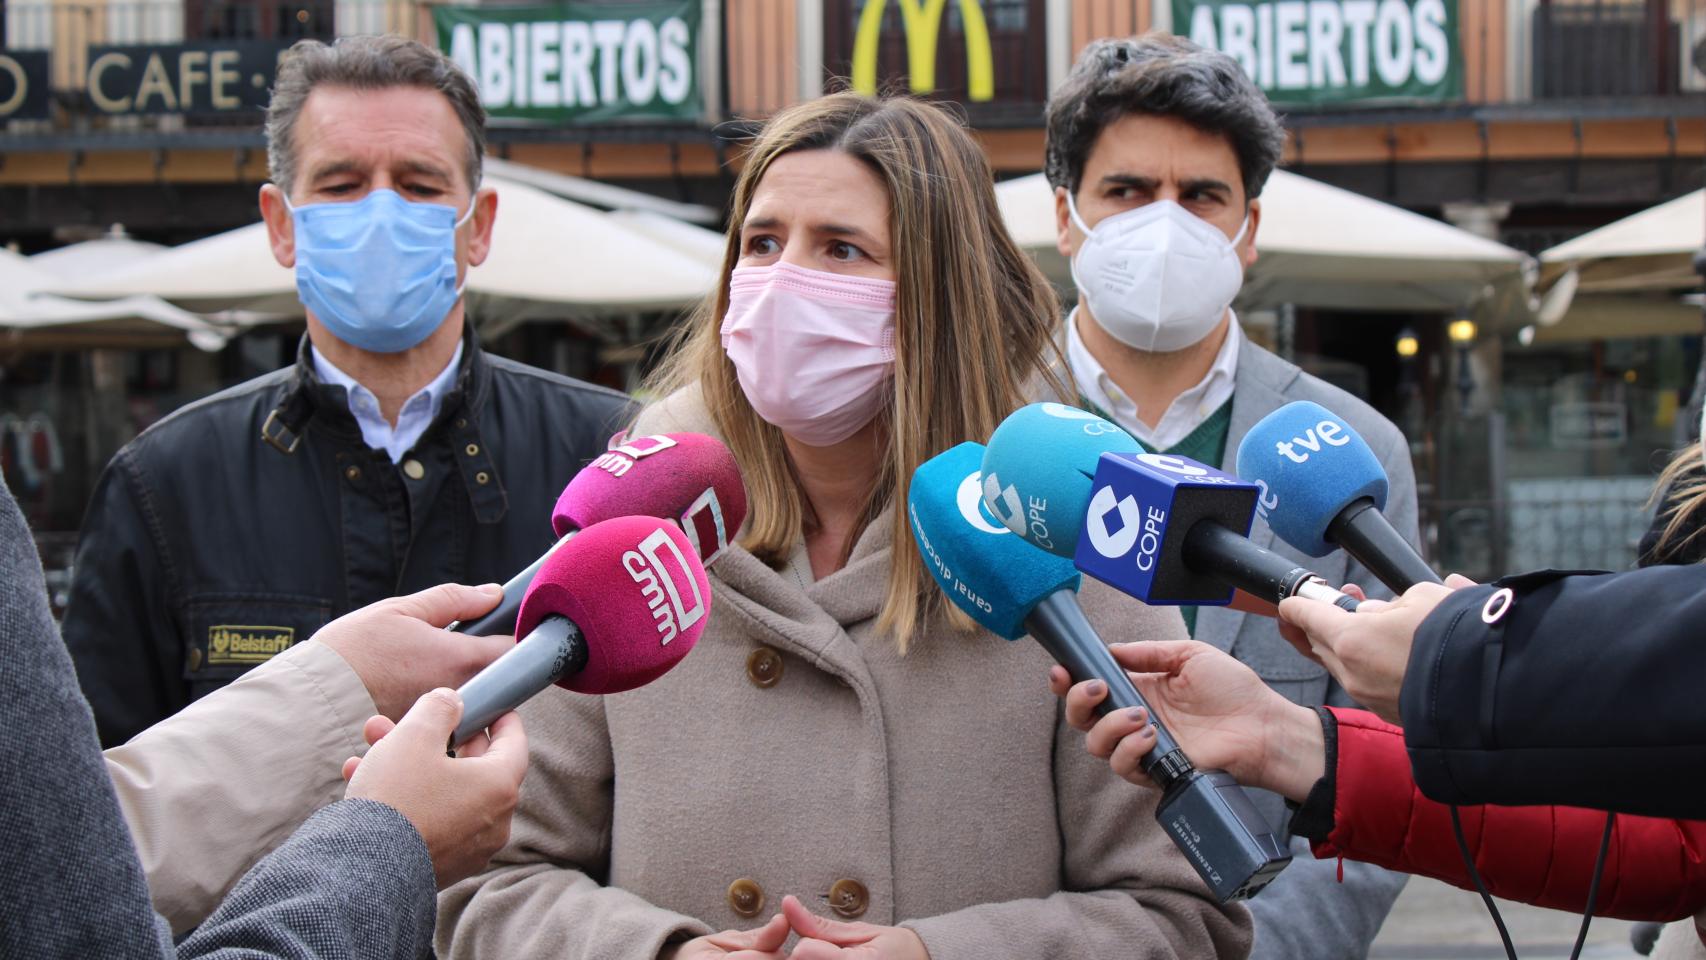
794,751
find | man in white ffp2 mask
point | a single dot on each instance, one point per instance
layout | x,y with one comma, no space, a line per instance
1158,151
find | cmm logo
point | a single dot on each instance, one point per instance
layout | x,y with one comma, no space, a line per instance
922,24
646,565
620,458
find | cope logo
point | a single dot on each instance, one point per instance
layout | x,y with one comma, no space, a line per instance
657,564
1131,526
1007,506
1094,426
623,453
969,497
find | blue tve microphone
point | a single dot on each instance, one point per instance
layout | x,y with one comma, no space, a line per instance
1009,588
1323,489
1164,529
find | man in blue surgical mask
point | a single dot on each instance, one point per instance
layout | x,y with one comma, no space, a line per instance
394,455
1158,150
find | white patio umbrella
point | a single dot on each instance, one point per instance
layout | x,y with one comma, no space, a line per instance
26,313
1649,251
550,257
1320,246
98,257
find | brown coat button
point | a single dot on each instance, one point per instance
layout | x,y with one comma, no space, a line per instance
746,897
764,668
849,898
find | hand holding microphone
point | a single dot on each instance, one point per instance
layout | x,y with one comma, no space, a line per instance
612,609
1223,714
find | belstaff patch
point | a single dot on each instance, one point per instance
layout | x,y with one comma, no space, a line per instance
247,644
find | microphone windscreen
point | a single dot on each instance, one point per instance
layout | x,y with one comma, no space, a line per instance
1038,467
687,477
636,589
983,567
1310,466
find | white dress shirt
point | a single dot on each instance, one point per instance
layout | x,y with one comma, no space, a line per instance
1187,411
417,413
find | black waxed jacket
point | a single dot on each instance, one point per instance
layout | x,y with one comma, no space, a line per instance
1572,688
242,523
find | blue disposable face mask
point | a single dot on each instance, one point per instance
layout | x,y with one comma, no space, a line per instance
380,272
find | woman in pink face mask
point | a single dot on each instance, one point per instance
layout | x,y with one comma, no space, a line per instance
844,766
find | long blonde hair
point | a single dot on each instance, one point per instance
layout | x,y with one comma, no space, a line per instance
974,326
1682,500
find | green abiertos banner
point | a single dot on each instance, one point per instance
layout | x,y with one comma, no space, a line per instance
579,62
1334,51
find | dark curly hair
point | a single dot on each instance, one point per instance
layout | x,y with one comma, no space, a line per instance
1165,76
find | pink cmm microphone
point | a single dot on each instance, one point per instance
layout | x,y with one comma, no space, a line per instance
686,477
612,609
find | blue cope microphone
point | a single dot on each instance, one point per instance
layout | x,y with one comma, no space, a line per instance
1164,529
1010,588
1323,489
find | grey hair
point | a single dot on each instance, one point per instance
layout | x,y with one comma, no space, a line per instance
1165,76
366,63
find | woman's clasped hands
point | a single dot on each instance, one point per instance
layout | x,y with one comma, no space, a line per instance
820,939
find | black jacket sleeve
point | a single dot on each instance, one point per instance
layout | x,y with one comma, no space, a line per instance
354,881
118,624
1588,689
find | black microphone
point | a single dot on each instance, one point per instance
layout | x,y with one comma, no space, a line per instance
1325,489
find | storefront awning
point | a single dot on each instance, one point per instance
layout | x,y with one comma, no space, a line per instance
1647,252
550,258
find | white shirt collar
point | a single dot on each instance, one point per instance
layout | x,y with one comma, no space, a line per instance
417,414
1187,411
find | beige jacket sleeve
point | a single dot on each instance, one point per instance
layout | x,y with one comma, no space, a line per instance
211,790
538,899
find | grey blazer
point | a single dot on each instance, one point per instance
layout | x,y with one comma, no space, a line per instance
1307,914
354,881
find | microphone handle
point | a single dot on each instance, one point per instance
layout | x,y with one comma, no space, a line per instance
1059,624
1362,531
501,618
1206,814
556,648
1233,560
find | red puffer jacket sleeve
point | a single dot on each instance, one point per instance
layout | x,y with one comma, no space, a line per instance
1654,870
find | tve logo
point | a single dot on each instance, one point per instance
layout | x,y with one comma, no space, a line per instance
646,564
620,458
1328,432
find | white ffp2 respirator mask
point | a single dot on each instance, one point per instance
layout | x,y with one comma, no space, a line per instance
1157,277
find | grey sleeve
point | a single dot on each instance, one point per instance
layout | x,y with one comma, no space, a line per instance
1307,913
355,881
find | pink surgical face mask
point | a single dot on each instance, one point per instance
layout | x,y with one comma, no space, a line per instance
814,351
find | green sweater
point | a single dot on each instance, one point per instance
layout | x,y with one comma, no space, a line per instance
1206,444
